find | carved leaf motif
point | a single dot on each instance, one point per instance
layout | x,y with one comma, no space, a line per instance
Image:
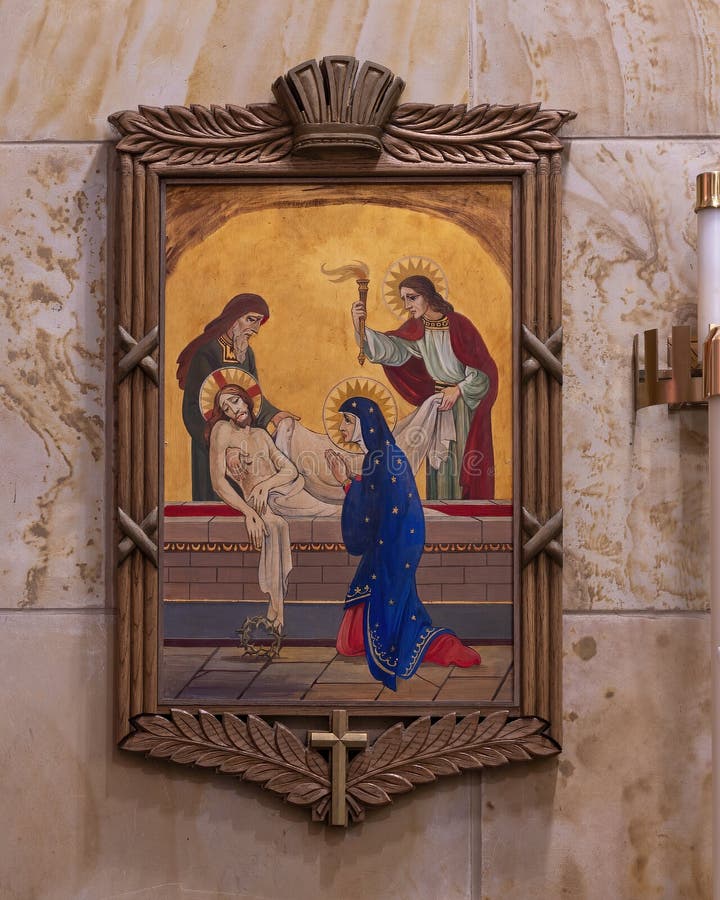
197,135
402,757
269,755
419,132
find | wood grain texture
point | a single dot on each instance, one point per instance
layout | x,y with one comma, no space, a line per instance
151,449
528,437
123,286
542,599
555,417
516,143
137,475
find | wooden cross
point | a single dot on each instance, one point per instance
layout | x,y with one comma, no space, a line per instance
339,740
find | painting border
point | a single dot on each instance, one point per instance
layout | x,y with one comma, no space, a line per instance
336,118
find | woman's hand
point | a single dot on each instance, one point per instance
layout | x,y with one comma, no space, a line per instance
449,396
359,311
256,529
257,498
236,462
338,466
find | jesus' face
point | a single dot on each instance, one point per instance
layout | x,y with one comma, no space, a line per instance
416,304
236,409
347,426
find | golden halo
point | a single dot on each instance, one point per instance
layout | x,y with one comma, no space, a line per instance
356,387
220,378
403,268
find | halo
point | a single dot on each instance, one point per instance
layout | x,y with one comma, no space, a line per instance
355,387
220,378
403,268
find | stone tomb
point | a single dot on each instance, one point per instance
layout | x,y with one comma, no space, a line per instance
210,585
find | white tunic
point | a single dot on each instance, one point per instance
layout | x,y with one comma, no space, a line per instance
436,352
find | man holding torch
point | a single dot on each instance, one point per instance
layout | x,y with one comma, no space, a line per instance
440,352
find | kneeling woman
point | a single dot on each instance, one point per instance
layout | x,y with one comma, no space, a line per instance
383,521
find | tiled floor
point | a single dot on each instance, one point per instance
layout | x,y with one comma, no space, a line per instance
319,673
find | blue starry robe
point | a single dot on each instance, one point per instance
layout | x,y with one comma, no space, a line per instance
383,522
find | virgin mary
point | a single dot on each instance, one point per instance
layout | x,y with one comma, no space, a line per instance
383,522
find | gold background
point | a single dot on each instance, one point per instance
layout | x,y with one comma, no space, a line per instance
272,240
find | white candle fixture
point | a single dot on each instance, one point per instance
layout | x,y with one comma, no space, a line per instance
708,219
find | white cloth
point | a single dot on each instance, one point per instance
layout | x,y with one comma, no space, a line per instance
291,501
426,432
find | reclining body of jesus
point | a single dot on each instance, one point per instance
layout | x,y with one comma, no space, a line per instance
270,489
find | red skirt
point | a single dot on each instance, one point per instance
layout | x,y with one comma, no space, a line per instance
444,650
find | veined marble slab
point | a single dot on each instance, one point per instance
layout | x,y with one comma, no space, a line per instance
64,73
52,253
635,488
649,67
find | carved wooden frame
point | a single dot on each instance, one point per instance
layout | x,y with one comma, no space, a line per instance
322,108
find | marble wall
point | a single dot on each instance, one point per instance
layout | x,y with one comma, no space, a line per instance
625,813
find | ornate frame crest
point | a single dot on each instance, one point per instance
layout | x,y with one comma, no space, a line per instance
338,118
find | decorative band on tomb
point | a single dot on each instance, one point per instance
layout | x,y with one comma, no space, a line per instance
333,546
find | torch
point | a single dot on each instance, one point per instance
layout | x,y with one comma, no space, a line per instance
360,272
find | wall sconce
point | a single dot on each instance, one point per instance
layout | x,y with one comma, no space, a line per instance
686,380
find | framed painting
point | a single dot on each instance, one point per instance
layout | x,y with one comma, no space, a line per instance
338,456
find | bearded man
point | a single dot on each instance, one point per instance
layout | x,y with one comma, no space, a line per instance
223,344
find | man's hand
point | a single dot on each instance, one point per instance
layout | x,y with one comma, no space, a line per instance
236,462
278,417
359,311
257,498
449,397
256,529
338,466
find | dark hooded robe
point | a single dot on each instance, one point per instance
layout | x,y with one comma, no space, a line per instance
204,355
383,522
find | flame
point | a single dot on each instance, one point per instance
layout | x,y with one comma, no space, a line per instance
345,273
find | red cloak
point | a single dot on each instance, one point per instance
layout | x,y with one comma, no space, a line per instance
412,381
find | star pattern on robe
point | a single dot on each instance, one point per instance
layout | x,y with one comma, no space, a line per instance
395,510
391,602
412,531
393,479
367,519
413,618
407,565
373,576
